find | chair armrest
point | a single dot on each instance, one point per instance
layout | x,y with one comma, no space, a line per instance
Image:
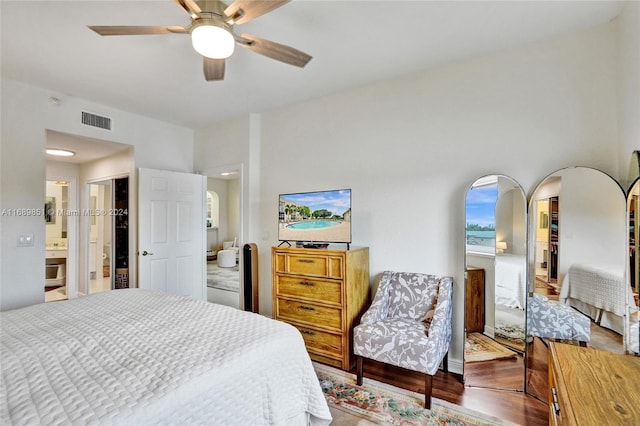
379,308
440,330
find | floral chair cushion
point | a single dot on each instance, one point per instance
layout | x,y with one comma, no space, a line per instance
396,330
554,320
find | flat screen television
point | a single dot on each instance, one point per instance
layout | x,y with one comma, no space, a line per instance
315,217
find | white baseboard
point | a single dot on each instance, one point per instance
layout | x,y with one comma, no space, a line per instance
489,331
455,366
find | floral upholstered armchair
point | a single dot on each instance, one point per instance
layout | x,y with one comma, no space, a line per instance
408,325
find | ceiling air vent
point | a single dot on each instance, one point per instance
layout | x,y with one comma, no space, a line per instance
96,120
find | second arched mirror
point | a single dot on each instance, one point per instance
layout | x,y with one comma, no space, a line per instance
633,209
576,264
495,288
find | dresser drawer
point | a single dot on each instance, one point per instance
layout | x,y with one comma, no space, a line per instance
327,360
322,341
310,288
309,264
309,313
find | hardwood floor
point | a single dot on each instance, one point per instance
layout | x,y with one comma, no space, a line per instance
516,407
505,374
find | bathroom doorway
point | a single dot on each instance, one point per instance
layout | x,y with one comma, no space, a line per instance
56,206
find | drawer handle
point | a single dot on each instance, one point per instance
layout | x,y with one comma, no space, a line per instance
554,395
307,283
310,333
306,261
307,308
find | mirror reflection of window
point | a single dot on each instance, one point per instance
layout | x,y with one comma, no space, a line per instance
481,216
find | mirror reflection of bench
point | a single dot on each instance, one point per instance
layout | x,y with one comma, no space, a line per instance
549,319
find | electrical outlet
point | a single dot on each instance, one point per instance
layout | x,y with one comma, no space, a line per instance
25,240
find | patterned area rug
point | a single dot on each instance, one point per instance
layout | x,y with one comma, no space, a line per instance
223,278
479,347
381,404
510,335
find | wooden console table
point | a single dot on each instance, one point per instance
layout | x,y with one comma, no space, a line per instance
592,387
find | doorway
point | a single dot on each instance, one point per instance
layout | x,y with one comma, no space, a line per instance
108,235
56,204
224,233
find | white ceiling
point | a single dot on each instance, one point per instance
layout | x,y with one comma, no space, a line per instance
84,149
353,43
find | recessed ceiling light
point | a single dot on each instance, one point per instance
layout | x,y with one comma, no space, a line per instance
60,152
228,173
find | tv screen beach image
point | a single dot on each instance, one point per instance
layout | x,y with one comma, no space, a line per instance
322,216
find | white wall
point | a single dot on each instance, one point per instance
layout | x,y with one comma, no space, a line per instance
226,147
409,148
26,115
591,221
511,216
233,208
628,86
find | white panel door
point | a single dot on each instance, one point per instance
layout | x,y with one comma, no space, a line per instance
171,232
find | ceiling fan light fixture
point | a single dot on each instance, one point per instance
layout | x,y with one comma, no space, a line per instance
211,40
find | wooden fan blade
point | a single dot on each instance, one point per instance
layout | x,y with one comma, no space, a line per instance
274,50
243,11
213,69
190,6
111,30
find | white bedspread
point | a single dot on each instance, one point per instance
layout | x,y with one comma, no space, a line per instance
510,284
136,357
601,286
599,291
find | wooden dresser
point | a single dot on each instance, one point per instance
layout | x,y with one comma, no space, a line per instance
592,387
474,300
322,293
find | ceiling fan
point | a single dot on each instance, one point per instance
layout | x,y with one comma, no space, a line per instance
212,34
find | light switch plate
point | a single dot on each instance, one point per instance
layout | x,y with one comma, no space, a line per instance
25,240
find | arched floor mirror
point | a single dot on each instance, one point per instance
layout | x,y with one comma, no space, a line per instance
576,266
495,285
633,210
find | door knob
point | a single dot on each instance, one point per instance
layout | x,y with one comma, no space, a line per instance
146,253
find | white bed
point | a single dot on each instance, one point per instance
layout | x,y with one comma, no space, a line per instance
510,284
599,291
136,357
